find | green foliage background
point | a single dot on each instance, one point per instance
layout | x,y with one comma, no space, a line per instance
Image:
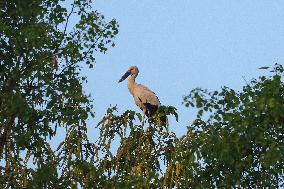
236,140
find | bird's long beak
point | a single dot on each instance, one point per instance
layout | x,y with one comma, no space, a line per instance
124,76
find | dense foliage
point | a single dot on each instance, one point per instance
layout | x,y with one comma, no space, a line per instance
41,89
236,140
241,142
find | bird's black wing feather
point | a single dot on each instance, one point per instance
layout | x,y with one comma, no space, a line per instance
151,109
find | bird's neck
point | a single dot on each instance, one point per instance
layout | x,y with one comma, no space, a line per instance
131,83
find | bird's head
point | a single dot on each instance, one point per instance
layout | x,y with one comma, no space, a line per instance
133,70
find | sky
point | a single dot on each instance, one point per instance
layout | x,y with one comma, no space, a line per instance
184,44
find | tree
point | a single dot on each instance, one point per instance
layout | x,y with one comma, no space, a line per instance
239,142
236,140
41,90
137,161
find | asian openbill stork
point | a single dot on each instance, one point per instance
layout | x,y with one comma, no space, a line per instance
144,98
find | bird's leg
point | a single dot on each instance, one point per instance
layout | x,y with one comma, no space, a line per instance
148,112
143,120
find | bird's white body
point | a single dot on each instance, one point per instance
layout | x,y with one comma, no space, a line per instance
142,95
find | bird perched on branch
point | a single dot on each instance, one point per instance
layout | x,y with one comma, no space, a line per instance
144,98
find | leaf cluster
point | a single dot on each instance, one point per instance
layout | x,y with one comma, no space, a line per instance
237,138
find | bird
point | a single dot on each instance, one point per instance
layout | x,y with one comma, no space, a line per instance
144,98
